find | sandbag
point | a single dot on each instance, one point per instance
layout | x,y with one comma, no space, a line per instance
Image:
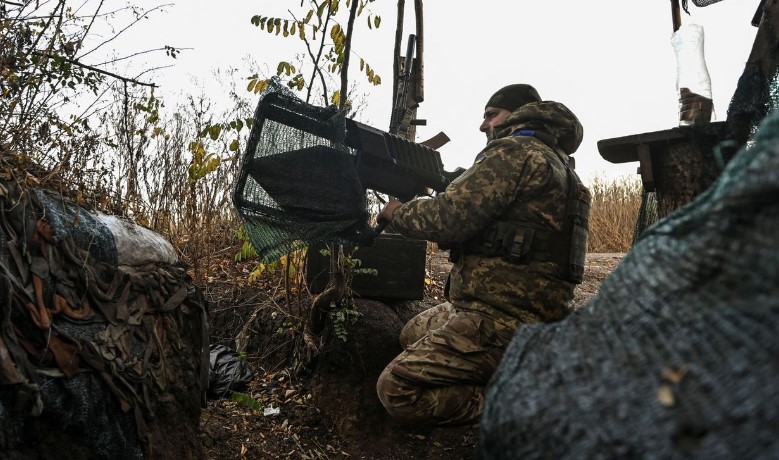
101,355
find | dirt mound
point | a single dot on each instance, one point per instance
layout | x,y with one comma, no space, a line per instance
332,411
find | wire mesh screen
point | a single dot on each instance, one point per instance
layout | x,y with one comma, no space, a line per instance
298,183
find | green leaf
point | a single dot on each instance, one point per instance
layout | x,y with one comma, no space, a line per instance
308,16
214,132
377,21
234,145
260,86
335,32
246,400
321,10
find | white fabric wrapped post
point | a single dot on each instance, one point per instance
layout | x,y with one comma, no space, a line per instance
692,76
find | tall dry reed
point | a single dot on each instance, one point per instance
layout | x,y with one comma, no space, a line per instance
613,214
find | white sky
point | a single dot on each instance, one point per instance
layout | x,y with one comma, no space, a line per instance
609,61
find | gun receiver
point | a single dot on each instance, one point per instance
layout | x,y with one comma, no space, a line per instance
394,165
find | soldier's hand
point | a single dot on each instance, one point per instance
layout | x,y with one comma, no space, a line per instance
385,215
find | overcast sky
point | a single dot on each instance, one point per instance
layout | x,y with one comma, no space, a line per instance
609,61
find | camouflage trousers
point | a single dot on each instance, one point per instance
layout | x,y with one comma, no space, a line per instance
440,377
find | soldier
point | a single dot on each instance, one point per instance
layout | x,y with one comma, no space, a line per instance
516,225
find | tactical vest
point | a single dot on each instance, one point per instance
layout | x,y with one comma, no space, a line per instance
523,242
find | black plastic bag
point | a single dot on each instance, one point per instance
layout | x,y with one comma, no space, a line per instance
227,371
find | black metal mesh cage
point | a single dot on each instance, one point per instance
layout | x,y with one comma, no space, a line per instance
298,183
701,3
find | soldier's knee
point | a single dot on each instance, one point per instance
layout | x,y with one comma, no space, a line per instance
402,399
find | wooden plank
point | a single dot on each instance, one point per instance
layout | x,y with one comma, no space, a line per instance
625,149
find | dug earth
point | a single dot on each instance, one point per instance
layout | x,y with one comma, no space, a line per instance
330,410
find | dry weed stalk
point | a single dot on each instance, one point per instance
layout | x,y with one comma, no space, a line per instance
615,206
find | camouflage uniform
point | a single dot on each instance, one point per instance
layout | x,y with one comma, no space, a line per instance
452,350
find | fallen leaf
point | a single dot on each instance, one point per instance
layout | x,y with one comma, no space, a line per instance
665,396
675,375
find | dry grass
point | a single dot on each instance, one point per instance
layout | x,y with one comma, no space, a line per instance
613,214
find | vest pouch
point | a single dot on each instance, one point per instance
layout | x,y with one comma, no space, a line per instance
517,244
579,234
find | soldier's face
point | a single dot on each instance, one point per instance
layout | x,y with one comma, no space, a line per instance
493,116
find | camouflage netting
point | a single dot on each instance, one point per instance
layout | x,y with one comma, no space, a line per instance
676,356
298,182
97,360
757,92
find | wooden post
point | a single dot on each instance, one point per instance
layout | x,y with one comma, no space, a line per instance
676,15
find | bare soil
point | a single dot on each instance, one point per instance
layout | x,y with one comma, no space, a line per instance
331,412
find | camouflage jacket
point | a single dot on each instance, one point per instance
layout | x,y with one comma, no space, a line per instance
517,178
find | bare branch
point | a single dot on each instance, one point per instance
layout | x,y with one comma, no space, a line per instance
396,52
101,71
317,69
137,20
315,60
347,52
130,56
89,27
